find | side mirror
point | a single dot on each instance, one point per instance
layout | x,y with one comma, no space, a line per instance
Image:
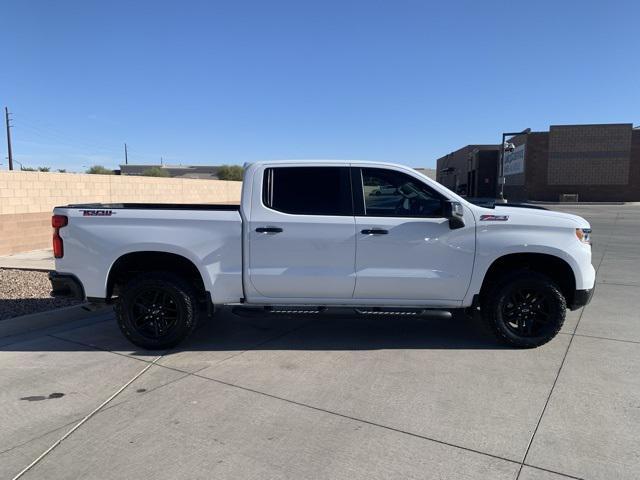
454,212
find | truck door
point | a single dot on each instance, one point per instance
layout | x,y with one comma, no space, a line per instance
405,247
301,236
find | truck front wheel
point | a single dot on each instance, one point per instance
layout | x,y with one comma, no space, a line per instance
157,310
524,309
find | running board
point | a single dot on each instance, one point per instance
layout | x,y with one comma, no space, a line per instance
372,311
261,311
405,312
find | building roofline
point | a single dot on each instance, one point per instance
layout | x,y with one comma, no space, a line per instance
593,125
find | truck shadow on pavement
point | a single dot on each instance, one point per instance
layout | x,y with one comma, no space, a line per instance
229,332
342,332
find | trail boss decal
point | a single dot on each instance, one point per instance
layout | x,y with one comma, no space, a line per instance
494,218
97,213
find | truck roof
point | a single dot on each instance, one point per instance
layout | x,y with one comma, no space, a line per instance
320,160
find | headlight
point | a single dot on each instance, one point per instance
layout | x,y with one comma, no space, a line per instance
584,235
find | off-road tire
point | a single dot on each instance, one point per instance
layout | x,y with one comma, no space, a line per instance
181,294
500,296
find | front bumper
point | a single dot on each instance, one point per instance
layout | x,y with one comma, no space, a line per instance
66,285
581,298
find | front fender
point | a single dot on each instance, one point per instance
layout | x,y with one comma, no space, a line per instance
496,241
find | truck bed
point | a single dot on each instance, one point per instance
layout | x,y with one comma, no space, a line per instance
157,206
99,234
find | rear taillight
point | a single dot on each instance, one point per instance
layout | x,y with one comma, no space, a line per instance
57,222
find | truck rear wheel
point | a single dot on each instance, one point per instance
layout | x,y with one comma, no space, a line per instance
157,310
524,309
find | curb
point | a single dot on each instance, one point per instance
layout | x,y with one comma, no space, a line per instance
50,318
8,262
26,269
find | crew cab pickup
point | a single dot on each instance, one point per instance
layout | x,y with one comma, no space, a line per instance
312,235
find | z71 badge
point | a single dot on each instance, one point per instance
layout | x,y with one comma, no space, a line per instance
97,213
494,218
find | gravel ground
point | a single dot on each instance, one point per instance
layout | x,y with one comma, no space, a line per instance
27,291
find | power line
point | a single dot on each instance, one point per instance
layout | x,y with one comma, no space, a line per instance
63,138
39,130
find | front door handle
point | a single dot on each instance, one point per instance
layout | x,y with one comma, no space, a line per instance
375,231
268,230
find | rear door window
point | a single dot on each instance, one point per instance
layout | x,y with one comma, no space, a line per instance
308,190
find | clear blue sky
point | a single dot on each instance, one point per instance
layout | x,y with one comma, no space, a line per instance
228,82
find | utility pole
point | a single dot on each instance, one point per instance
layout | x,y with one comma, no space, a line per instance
6,121
126,158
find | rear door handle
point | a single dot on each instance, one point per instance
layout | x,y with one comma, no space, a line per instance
268,230
375,231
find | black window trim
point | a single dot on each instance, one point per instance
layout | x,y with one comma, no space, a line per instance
363,202
357,191
263,194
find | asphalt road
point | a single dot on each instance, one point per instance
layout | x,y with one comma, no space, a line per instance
340,397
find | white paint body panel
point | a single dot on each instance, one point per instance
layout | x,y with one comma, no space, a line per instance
209,239
420,258
324,260
531,231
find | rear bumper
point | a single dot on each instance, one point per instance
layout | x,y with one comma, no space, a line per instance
581,298
66,285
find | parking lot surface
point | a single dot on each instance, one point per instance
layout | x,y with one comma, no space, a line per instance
334,397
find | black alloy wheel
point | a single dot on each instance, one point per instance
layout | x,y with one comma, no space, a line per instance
154,312
526,312
524,309
157,310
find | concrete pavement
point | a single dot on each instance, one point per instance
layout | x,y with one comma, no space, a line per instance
340,397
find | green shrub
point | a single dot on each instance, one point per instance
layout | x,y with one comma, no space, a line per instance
99,170
155,172
230,172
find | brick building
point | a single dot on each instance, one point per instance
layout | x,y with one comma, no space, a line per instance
569,162
471,171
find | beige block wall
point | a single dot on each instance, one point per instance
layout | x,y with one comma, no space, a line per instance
27,198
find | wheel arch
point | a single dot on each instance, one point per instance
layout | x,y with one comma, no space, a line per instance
131,264
556,268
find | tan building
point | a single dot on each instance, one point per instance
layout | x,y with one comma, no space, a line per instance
429,172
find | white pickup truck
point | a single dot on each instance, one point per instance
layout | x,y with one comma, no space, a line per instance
312,235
